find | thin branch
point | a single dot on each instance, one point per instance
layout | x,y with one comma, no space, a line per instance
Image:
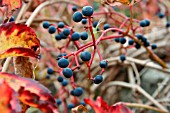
144,106
139,89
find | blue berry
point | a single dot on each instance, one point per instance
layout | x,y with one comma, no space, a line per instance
122,58
63,63
85,56
167,24
131,42
74,8
66,31
60,78
46,24
139,36
144,39
147,22
58,37
51,29
12,19
83,103
122,40
103,64
161,15
137,45
50,71
64,82
58,101
153,46
106,26
72,92
62,35
77,17
95,23
84,35
47,77
70,106
98,79
78,91
84,21
61,24
117,40
61,55
142,23
146,44
75,36
87,11
67,72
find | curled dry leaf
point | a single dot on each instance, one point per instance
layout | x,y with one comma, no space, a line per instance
18,40
11,4
100,106
31,92
8,100
79,109
118,2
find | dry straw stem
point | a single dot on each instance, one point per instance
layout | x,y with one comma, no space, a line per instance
139,89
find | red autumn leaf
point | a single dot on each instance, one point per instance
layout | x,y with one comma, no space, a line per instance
100,106
18,40
8,100
11,4
31,92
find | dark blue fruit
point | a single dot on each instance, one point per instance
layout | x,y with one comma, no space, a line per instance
60,78
50,71
75,36
153,46
85,56
161,15
103,64
95,23
117,40
46,24
70,106
122,58
98,79
77,17
74,8
87,11
67,72
78,91
51,29
167,24
84,35
58,101
106,26
142,23
47,77
63,62
62,35
83,103
131,42
66,31
61,24
58,37
122,40
84,21
12,19
64,82
139,36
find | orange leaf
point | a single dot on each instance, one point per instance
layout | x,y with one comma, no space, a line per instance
18,40
8,100
31,92
11,4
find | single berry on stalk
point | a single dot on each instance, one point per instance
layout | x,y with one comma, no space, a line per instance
67,72
63,62
103,64
77,17
98,79
51,29
85,56
87,11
